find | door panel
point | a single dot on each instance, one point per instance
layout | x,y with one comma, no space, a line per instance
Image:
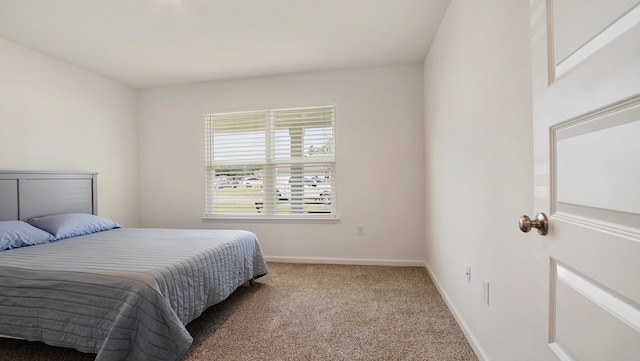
586,111
600,23
595,158
591,322
596,16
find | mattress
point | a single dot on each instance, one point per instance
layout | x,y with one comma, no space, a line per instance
124,294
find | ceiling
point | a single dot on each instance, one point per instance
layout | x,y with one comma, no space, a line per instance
154,43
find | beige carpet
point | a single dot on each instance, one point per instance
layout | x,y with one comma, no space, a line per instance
314,312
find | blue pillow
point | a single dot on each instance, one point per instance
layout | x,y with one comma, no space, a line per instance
14,234
72,224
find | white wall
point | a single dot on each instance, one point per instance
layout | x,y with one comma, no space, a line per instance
475,175
57,117
478,130
380,163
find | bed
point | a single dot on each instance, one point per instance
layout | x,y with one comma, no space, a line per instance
121,293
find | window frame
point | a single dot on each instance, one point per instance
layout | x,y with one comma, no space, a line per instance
272,205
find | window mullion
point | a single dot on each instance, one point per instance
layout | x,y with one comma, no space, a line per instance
297,169
269,173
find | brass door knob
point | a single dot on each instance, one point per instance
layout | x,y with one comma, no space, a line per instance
541,223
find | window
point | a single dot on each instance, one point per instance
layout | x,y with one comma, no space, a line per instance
272,163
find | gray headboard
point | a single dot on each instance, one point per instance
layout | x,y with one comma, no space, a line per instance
24,195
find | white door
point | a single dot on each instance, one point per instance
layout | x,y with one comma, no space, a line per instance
586,88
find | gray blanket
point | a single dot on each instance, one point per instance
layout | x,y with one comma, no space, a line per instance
124,294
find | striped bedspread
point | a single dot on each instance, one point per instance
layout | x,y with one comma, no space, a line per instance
124,294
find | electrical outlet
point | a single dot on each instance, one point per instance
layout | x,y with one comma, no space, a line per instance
360,230
485,291
467,272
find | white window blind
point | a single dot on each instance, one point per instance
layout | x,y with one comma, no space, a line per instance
271,163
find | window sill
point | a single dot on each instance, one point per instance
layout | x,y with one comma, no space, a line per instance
270,219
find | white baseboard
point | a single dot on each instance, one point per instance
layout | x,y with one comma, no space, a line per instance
482,356
353,261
